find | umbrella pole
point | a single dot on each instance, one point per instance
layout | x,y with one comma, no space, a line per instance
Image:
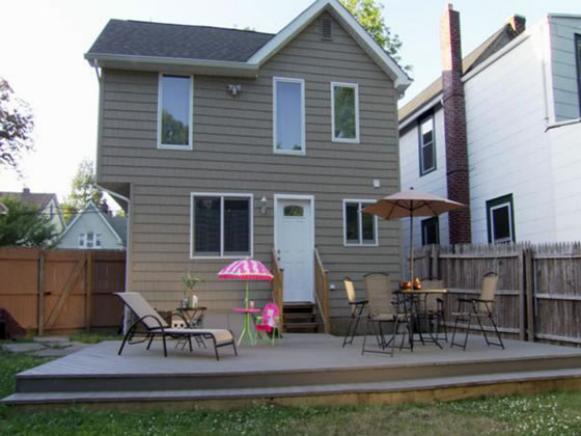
246,295
411,244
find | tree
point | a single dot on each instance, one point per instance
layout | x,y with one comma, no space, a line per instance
83,189
16,124
369,15
24,226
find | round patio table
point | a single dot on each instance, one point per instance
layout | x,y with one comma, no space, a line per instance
248,325
415,309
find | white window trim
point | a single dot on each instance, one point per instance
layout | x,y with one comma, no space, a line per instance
303,150
375,223
249,196
434,167
491,218
355,86
190,145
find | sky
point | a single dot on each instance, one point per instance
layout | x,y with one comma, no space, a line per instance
43,43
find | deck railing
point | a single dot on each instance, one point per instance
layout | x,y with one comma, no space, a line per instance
322,292
278,285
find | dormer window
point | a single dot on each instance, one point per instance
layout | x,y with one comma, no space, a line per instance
174,115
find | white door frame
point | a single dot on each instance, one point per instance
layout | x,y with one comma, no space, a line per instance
311,200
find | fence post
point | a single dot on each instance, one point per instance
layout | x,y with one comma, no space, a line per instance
40,290
434,272
89,290
529,278
522,323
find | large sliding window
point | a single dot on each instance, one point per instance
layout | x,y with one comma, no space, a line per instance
427,146
345,112
359,228
221,225
289,115
500,220
175,102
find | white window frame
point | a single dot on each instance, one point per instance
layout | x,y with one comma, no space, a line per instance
355,86
82,243
303,150
422,145
491,210
190,145
249,196
98,240
360,201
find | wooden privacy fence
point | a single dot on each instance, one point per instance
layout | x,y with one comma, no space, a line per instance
539,287
51,290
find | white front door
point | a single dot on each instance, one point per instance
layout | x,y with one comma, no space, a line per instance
295,245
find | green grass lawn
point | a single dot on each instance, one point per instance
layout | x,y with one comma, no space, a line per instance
556,413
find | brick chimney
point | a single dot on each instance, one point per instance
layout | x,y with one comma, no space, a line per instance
457,174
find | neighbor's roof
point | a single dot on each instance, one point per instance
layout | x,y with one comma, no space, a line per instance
40,200
494,43
139,38
230,52
119,224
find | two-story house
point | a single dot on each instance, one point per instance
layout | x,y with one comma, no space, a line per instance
46,203
230,143
501,132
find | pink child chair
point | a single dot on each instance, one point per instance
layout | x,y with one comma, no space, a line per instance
269,321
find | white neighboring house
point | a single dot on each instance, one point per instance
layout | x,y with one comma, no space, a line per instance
523,137
92,229
46,203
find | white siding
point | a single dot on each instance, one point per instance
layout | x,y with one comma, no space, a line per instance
564,68
565,161
90,221
508,150
434,182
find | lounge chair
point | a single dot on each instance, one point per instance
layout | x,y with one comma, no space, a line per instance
383,309
481,309
155,325
357,307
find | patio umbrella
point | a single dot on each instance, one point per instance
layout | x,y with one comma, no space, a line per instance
409,204
246,269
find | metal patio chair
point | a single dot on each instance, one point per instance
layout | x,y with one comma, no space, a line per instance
481,309
432,310
383,309
154,325
357,308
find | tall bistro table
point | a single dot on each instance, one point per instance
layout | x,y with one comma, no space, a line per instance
248,332
417,305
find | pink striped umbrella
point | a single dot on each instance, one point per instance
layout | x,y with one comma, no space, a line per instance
246,269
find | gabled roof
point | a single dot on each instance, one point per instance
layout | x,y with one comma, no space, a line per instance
139,38
114,224
491,45
39,200
211,50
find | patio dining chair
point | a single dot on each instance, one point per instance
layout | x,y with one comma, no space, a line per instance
383,309
480,309
357,308
433,311
153,325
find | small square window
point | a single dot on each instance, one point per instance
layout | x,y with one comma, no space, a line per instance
500,220
345,112
360,228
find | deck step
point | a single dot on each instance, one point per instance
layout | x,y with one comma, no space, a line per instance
300,317
550,378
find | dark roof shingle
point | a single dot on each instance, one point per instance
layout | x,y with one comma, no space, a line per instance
119,224
39,200
139,38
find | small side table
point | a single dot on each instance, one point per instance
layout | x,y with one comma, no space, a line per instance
248,327
193,316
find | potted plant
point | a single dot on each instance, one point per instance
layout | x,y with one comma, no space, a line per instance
190,281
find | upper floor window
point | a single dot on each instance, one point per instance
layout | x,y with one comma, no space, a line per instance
359,228
578,60
221,225
345,112
430,231
427,146
289,115
175,102
500,220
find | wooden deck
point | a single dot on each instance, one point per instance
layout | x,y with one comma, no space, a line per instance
302,368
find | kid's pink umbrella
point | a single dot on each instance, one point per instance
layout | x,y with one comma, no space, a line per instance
246,269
